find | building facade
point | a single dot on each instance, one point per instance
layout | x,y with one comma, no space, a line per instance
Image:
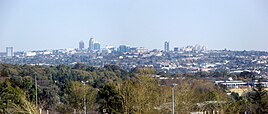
81,45
96,46
166,46
91,44
176,49
123,48
9,51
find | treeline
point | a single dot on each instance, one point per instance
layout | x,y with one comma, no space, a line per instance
113,90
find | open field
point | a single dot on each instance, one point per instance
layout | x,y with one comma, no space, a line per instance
241,91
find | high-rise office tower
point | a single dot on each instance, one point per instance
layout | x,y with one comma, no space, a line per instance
123,48
9,51
81,45
91,44
97,46
166,46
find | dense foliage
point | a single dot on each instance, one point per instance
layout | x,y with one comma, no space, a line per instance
113,90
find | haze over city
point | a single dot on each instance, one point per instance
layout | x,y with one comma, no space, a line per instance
50,24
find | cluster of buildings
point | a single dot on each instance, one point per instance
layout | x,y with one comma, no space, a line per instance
93,45
8,54
240,84
189,48
184,60
189,59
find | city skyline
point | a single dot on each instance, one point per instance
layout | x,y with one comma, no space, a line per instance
38,25
94,46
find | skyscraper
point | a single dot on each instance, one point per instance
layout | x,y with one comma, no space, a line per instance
123,48
81,45
9,51
166,46
97,46
91,44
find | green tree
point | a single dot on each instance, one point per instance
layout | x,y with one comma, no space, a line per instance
109,98
141,95
13,100
50,97
76,93
259,98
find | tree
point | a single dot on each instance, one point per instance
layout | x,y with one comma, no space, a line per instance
75,96
259,98
13,100
184,97
109,98
50,97
141,95
255,102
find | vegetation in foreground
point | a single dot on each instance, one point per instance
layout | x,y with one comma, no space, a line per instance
114,90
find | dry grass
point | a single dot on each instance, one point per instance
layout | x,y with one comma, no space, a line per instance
241,91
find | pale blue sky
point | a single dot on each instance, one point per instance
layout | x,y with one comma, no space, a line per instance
54,24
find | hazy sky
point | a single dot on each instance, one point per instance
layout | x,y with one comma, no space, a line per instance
54,24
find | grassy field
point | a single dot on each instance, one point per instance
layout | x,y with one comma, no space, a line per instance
241,91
